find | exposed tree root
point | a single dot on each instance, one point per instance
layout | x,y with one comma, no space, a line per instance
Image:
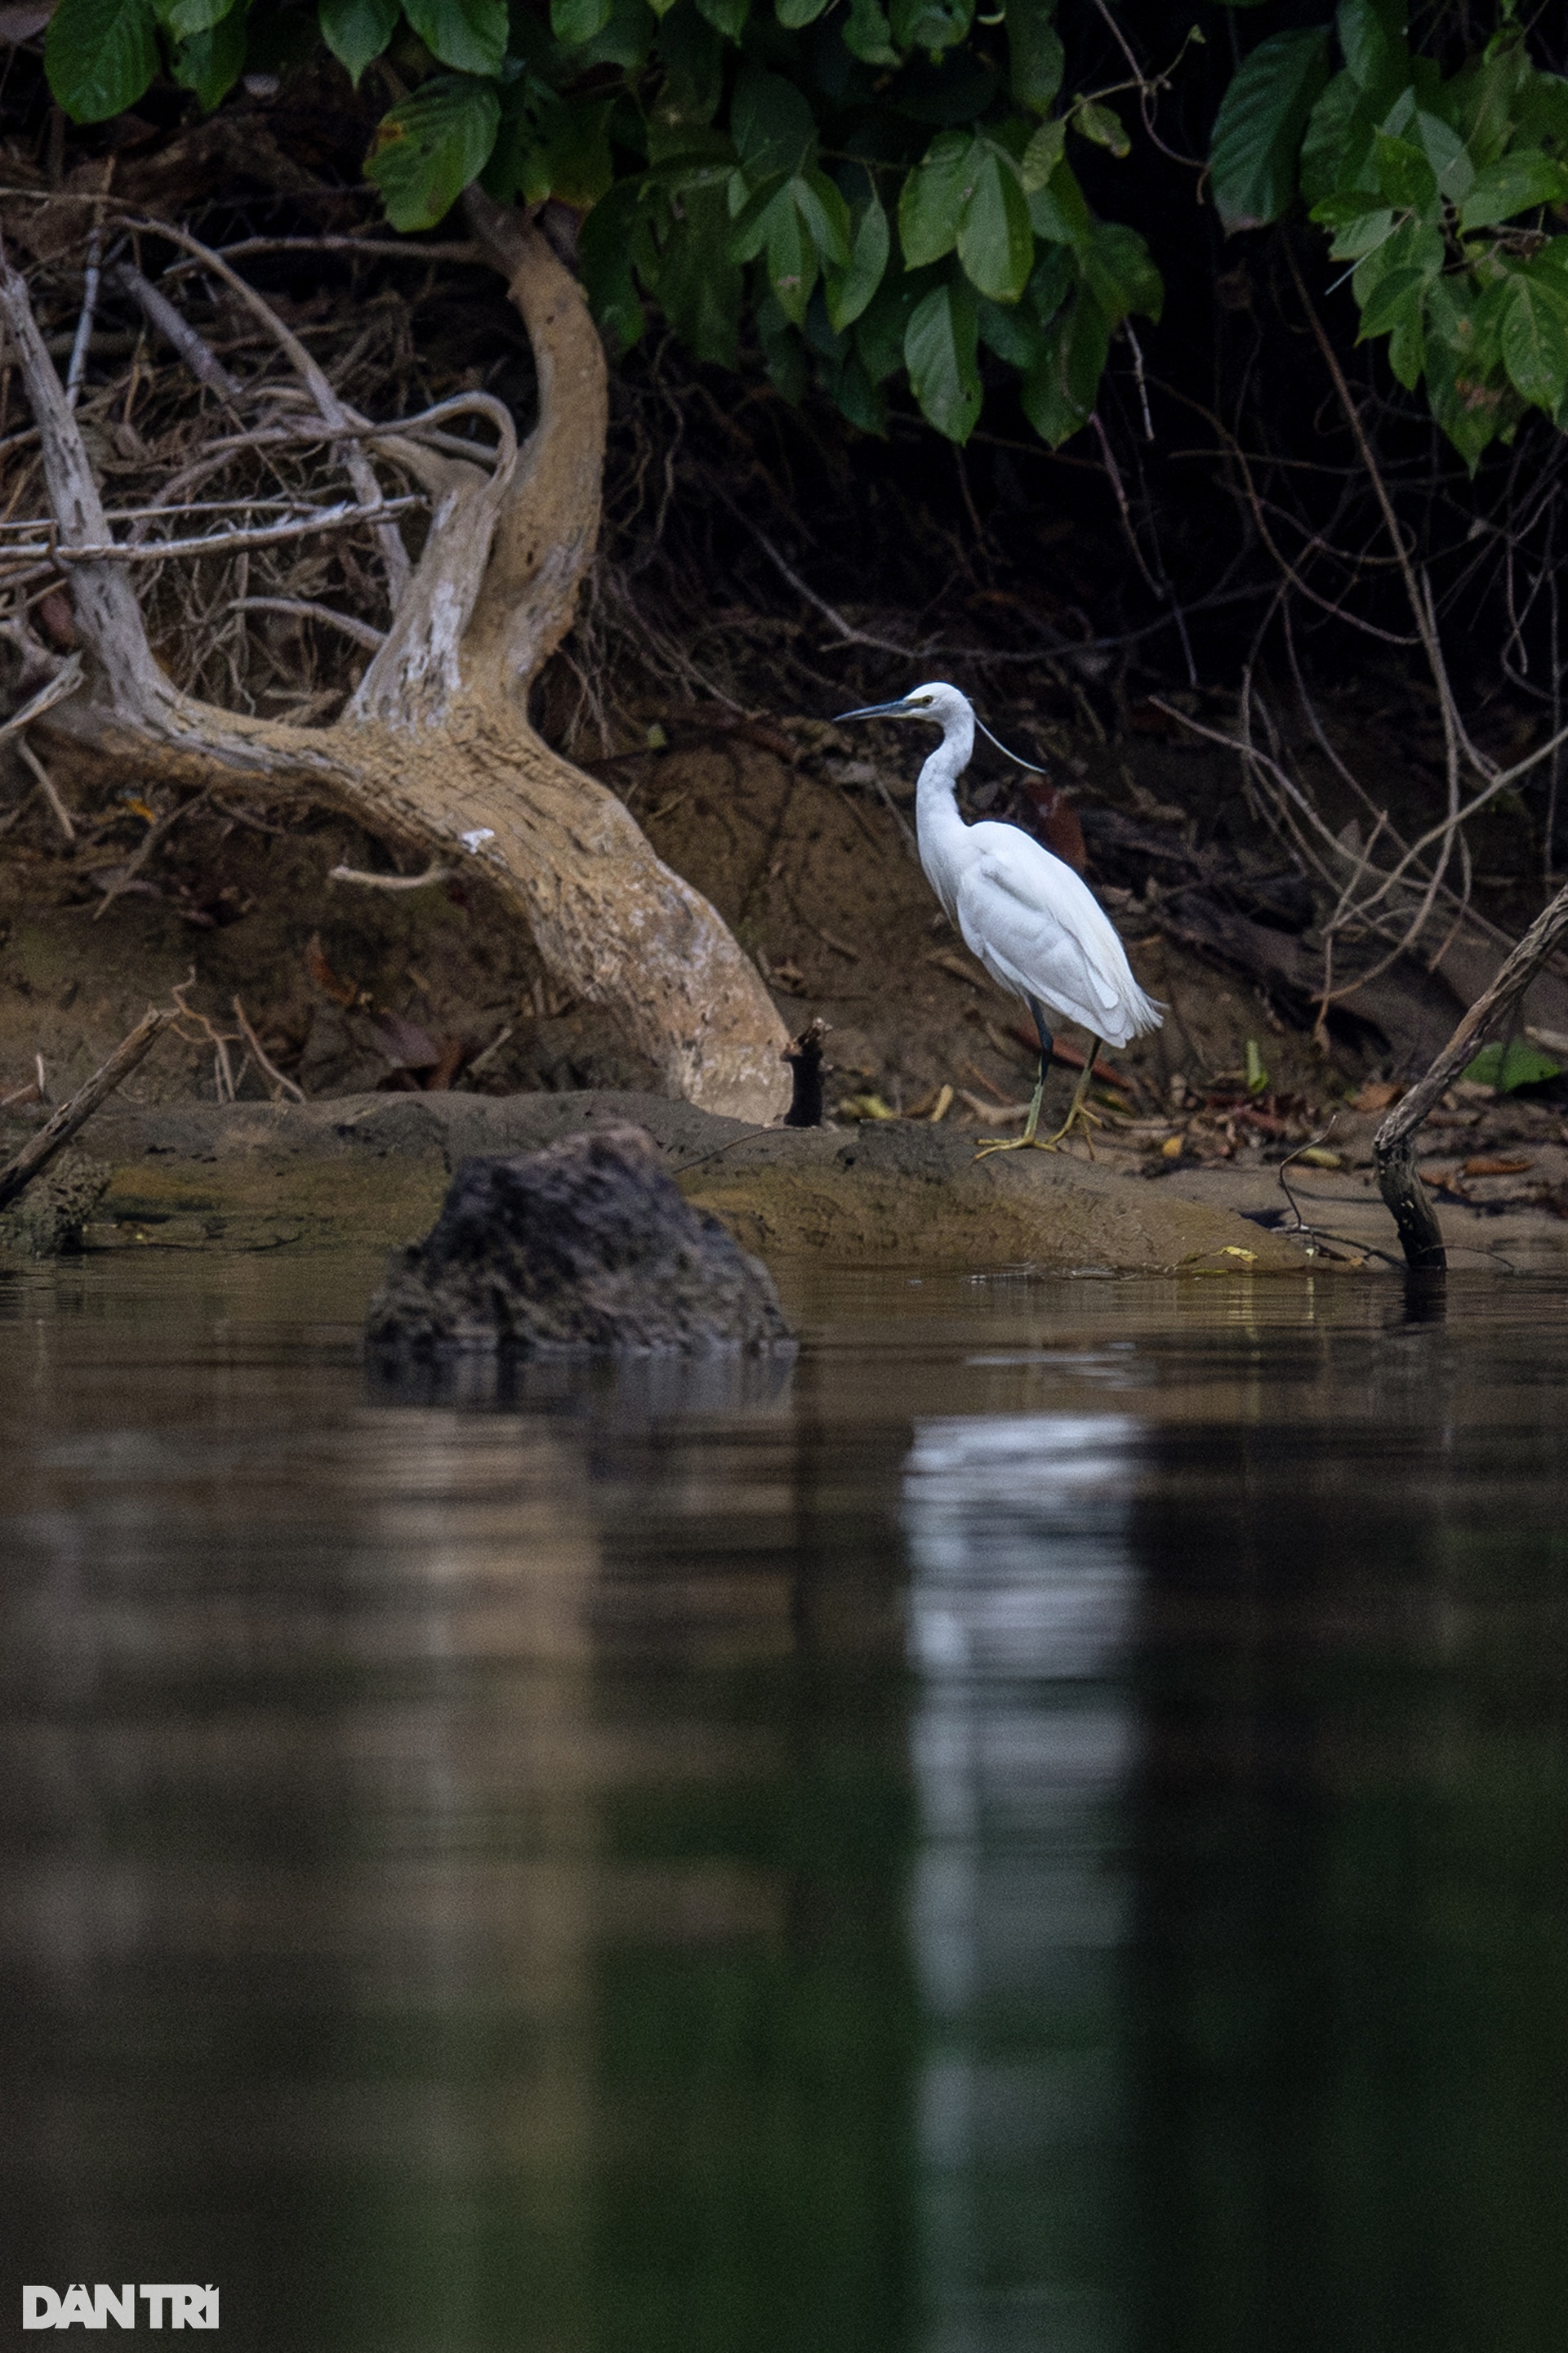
436,752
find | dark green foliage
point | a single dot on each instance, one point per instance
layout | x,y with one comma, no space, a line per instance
886,190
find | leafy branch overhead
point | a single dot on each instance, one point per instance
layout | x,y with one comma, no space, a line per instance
891,195
1445,195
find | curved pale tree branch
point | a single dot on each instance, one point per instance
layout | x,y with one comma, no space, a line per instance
436,751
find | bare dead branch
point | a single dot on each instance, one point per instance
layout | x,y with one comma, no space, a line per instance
274,1076
433,873
1394,1146
359,631
367,489
35,1156
154,833
46,786
66,681
176,332
217,542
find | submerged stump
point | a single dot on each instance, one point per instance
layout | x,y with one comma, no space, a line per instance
586,1247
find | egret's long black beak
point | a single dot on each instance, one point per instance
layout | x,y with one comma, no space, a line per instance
899,710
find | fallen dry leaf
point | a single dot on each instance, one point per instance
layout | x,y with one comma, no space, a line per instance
1378,1095
438,1080
341,992
1485,1168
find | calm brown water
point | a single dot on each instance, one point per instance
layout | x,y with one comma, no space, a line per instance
1044,1825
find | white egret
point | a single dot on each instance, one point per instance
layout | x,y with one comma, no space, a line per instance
1034,924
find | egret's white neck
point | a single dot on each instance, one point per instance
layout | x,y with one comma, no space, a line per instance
939,831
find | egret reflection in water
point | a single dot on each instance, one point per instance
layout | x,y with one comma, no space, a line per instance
1020,1601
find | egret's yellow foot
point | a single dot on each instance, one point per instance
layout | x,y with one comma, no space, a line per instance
1015,1143
1020,1142
1079,1117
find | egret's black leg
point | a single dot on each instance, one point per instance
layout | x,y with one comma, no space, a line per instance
1047,1046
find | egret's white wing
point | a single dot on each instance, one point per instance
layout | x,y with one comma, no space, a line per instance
1040,932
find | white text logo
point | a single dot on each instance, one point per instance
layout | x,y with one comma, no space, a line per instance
175,2305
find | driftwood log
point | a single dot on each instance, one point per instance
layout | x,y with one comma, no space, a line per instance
436,752
1394,1146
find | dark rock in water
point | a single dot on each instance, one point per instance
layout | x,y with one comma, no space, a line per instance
586,1246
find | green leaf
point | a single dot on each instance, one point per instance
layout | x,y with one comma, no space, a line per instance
184,18
931,199
772,124
1412,247
1360,235
1515,1065
1041,156
1336,142
574,22
1471,398
995,241
624,39
1535,341
1515,184
1450,159
798,13
826,216
358,30
1055,275
1257,133
1543,110
1397,297
933,25
790,259
700,289
1485,95
1407,346
575,151
1404,177
726,17
878,332
604,265
1119,274
859,398
1372,38
210,63
1057,212
469,36
1103,125
1344,210
1058,393
848,290
692,55
753,223
1035,61
939,351
428,148
99,56
867,33
1013,333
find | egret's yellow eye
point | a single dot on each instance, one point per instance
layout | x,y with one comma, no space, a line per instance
921,702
